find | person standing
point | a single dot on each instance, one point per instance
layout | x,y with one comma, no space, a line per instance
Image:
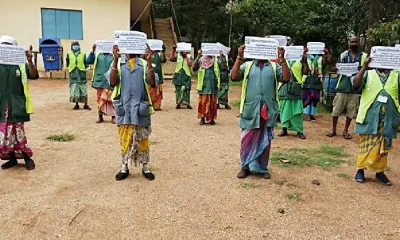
291,104
258,109
133,108
377,119
102,63
346,97
312,86
223,92
157,93
182,78
76,63
208,83
15,109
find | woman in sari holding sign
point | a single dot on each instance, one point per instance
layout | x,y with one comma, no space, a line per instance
102,63
208,83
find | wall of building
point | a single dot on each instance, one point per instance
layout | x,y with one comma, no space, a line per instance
100,19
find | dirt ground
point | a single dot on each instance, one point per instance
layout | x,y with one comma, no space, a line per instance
73,194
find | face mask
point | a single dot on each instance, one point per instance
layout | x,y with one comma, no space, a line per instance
354,48
76,48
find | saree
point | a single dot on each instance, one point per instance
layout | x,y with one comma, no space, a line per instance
207,106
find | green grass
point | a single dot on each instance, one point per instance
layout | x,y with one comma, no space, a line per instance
322,109
249,185
326,157
294,196
285,182
235,103
65,137
344,175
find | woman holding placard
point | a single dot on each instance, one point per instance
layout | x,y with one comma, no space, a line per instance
182,78
208,84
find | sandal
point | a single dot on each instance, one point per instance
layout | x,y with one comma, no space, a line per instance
331,134
346,135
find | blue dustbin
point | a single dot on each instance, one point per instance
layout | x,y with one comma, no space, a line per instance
52,53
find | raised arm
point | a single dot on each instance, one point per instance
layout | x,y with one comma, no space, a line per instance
359,77
114,67
163,58
150,72
285,69
32,71
173,57
91,58
235,73
195,64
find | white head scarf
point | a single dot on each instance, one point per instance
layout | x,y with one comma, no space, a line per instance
9,40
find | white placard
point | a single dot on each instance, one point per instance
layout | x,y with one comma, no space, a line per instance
315,47
282,40
131,42
397,45
225,50
104,46
155,44
294,53
184,47
348,69
12,55
385,57
210,49
261,48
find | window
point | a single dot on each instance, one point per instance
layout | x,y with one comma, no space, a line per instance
64,24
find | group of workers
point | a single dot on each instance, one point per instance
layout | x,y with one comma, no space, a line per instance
129,90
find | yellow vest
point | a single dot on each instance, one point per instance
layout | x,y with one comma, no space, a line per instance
297,70
24,78
343,55
181,63
202,72
372,89
76,61
117,89
245,80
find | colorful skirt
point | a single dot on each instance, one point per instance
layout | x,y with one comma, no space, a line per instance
78,93
104,101
374,150
311,97
156,95
207,106
255,148
13,139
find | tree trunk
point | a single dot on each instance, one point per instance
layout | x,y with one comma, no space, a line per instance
373,13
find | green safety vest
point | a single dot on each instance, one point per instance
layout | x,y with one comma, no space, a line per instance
343,55
181,63
117,89
202,72
245,80
297,70
372,89
24,78
76,61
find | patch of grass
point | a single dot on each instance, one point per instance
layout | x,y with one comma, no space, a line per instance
231,83
249,185
65,137
326,157
235,103
344,175
294,196
278,127
322,109
285,182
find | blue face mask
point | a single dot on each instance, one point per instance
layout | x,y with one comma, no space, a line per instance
76,48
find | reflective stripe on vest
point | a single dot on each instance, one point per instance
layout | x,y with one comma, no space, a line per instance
342,56
297,70
373,88
76,61
94,66
245,80
24,78
202,72
181,63
117,88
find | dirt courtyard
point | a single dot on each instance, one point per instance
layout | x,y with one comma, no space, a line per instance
73,194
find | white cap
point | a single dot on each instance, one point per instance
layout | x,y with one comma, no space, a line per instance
9,40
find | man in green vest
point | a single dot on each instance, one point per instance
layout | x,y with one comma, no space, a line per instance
377,119
208,83
15,109
346,97
182,77
158,58
291,104
76,63
258,109
102,63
